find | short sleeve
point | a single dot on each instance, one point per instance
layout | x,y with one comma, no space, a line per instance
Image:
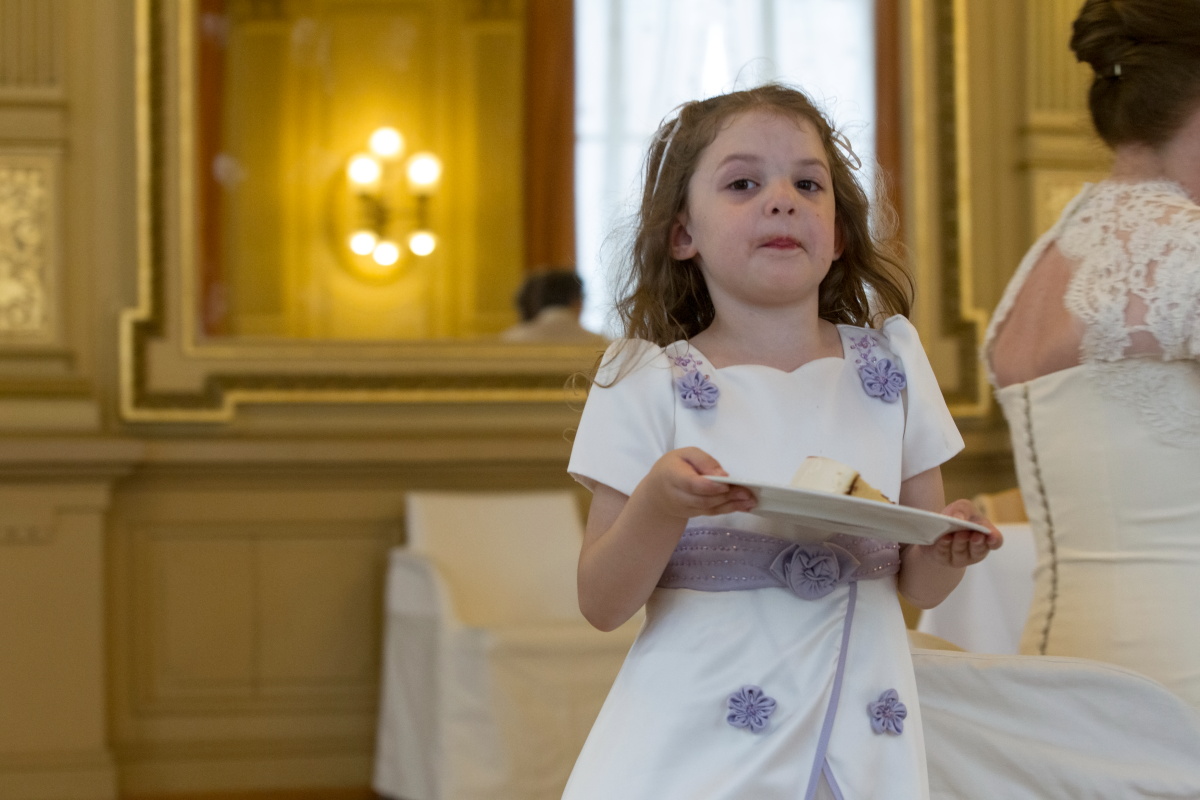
628,420
930,436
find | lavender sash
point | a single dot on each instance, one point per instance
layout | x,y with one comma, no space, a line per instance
726,559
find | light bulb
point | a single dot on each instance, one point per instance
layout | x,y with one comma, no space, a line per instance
386,254
364,170
363,242
387,143
422,243
424,172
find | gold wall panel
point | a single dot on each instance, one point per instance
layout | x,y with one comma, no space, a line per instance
1061,149
31,49
246,622
245,615
1059,83
53,736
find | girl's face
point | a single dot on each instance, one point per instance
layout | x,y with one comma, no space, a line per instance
759,218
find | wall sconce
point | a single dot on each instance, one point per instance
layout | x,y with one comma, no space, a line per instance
380,210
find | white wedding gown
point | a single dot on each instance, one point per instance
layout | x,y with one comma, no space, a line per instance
1108,452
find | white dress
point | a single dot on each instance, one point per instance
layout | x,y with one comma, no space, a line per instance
1108,452
663,732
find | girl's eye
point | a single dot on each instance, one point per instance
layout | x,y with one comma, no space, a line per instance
807,185
741,184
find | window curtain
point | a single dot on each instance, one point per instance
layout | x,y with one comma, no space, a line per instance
549,135
889,116
209,119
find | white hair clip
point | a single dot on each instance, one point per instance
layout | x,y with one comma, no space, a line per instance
666,149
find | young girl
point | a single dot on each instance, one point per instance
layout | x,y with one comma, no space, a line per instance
765,668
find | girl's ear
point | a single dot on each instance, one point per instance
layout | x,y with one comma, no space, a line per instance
838,244
682,247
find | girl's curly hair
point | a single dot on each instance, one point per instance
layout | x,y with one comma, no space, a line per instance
664,300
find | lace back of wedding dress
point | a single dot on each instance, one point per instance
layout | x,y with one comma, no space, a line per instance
1136,288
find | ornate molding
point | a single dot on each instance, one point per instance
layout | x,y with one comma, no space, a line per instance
28,199
961,318
940,199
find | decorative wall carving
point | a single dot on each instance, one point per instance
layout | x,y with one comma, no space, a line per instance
27,231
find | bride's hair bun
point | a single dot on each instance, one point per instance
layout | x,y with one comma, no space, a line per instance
1146,56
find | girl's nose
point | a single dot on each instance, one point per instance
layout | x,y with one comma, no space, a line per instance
783,199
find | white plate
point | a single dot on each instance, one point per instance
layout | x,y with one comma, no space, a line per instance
839,513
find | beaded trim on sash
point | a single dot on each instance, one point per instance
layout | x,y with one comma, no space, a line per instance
726,559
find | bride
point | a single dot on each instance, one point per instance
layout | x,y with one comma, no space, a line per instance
1094,353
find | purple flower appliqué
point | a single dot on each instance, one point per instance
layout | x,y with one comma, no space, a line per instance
880,376
810,571
888,713
883,379
694,387
750,708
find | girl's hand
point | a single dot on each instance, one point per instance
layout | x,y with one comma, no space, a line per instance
963,548
677,487
629,540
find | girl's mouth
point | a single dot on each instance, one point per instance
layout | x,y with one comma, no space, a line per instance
782,243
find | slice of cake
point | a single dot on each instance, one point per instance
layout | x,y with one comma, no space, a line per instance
820,474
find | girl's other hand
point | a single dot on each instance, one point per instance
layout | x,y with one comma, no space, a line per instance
677,486
963,548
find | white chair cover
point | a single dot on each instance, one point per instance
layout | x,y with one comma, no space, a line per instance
491,677
1000,726
986,612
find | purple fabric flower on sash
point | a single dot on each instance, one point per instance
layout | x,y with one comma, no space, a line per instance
749,708
880,376
813,570
888,713
694,387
